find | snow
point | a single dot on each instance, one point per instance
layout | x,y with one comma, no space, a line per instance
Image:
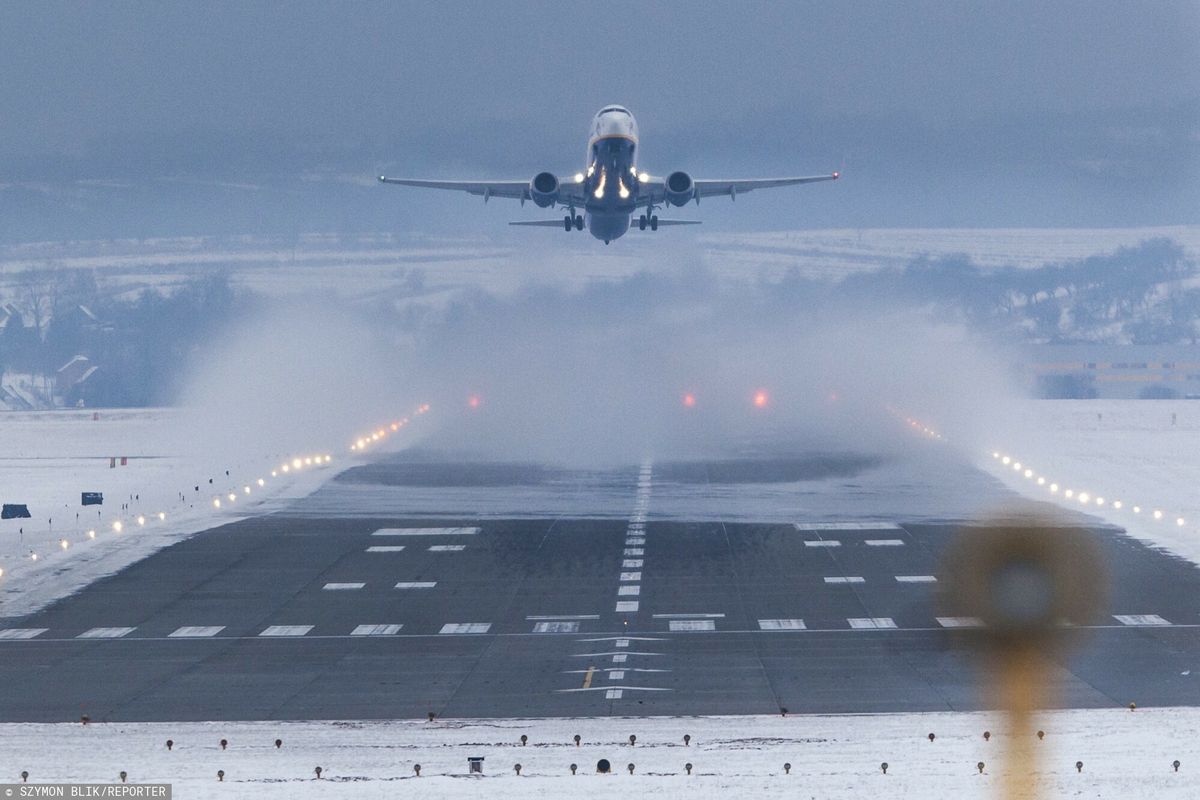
50,457
1143,453
1124,754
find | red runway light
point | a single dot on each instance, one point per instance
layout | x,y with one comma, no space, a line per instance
473,401
689,400
760,399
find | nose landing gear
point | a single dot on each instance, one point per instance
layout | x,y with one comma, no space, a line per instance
573,221
652,221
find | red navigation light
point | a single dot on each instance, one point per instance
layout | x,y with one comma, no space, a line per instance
760,399
473,401
689,400
836,175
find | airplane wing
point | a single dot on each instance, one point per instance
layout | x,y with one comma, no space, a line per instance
517,190
710,188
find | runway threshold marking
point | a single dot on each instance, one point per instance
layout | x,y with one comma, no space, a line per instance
22,633
196,631
426,532
846,526
1138,620
587,679
105,633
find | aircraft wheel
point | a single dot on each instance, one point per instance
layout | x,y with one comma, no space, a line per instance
642,222
568,223
654,222
579,222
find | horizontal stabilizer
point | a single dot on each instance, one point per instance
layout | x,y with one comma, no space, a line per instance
542,223
662,222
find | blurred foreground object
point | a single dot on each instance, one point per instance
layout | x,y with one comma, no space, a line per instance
1031,581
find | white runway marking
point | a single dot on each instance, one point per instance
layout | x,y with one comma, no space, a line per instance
1140,619
446,548
416,584
635,540
342,587
631,576
916,579
631,590
612,694
286,630
621,643
864,623
823,543
781,624
884,542
196,631
847,526
689,616
632,563
105,633
634,551
626,606
426,532
620,658
466,627
556,627
553,617
376,630
692,625
845,579
385,548
960,622
616,674
21,633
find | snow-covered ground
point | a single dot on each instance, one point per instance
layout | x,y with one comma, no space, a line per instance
1125,754
49,458
1121,460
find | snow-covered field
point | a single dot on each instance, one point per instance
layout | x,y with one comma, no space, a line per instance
49,458
1121,460
1125,754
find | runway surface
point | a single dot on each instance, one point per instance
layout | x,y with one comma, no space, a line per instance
417,584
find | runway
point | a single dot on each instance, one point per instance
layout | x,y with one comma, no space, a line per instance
414,585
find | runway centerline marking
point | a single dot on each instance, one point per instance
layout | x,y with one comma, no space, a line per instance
883,542
631,563
554,617
631,576
846,579
416,584
385,548
846,526
376,630
781,624
822,543
626,606
447,548
342,587
916,579
960,622
692,625
870,623
629,590
561,626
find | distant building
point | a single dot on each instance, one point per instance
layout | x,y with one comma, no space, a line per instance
1128,371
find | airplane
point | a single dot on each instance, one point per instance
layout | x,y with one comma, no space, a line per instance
611,188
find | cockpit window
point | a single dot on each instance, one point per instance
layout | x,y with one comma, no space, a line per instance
614,108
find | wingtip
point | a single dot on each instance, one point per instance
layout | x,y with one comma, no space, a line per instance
836,175
383,179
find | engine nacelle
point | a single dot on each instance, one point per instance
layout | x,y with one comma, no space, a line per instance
679,188
543,189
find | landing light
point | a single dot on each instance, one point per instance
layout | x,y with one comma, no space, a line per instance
579,177
644,177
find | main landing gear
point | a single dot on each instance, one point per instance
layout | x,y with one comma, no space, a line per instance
652,221
573,221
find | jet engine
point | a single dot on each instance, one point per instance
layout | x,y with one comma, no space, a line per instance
680,188
543,189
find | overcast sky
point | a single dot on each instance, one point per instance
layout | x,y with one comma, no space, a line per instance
123,119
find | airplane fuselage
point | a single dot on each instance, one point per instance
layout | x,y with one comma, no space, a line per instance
610,175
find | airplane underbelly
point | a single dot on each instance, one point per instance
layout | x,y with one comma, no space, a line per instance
607,225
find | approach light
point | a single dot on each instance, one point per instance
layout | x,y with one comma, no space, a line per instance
1016,466
1117,504
285,467
64,544
296,463
261,482
33,556
1041,481
995,455
246,489
118,526
1069,494
216,502
162,515
1099,501
1006,461
1083,497
91,534
760,399
232,497
1053,488
1179,522
1157,514
1137,509
689,400
395,426
274,474
1028,473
